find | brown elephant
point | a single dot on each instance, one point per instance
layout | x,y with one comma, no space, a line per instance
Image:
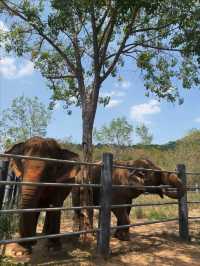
43,196
126,195
119,195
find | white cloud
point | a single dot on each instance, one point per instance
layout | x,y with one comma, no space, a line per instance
10,69
3,26
114,103
124,84
113,94
197,120
57,106
141,111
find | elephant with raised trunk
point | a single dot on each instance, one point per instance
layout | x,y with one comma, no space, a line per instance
138,178
41,196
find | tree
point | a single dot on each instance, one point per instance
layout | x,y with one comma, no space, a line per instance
143,132
78,44
118,132
25,118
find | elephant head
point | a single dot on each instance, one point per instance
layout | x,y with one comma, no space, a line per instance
158,178
38,170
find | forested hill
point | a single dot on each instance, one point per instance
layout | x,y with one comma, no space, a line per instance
185,150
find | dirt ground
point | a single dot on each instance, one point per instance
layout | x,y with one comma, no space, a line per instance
156,245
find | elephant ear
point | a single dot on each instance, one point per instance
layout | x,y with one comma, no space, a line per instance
72,170
69,155
16,149
15,164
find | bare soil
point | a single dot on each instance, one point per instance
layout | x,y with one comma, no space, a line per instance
156,245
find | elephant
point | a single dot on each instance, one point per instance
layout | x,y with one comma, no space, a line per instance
41,196
139,178
119,195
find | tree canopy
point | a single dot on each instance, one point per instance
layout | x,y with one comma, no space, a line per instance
118,132
143,133
25,118
78,44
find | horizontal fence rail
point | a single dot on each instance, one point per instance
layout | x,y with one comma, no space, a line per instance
144,223
43,184
4,155
48,209
142,169
27,239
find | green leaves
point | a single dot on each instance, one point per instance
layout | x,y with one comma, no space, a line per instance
142,131
26,117
118,132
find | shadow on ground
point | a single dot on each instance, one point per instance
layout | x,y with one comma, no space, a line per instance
153,244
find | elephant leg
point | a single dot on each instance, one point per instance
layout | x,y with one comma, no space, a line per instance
128,209
27,229
122,219
52,226
78,216
52,219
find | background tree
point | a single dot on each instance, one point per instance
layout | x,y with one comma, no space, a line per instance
118,132
25,118
78,44
142,131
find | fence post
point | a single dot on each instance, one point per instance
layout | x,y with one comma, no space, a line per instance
105,212
3,177
183,207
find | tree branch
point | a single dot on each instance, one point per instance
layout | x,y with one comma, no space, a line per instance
79,69
106,37
102,20
56,47
122,45
49,76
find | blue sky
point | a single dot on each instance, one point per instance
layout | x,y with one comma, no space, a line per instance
166,121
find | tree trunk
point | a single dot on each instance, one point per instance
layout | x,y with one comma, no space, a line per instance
86,197
83,220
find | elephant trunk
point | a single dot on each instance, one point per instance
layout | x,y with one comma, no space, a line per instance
33,172
178,188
